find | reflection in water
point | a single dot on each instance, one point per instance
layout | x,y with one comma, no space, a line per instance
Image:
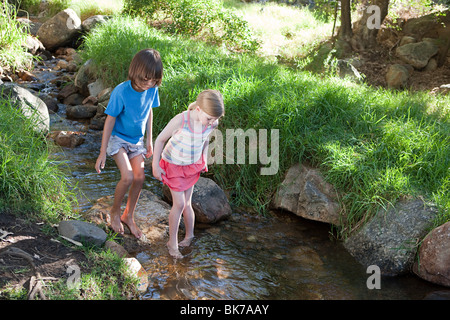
277,257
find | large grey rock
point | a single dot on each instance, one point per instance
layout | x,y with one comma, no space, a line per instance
417,54
84,76
30,105
60,29
82,231
92,22
397,76
390,239
346,69
209,202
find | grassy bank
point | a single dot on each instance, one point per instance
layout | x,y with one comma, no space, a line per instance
375,146
29,182
12,54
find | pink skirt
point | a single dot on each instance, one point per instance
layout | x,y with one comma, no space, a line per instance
180,178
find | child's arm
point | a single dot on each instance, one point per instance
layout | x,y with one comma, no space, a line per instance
149,135
206,146
205,155
107,129
160,141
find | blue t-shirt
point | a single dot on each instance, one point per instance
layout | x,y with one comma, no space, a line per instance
131,110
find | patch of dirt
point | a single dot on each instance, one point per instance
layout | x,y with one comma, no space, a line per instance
376,63
27,252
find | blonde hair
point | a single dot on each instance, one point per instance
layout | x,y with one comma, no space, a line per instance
146,65
210,102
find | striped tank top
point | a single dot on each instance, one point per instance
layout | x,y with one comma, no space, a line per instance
185,147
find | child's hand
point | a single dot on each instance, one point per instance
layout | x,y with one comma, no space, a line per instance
205,167
157,172
149,151
100,164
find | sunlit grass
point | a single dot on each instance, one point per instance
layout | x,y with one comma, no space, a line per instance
13,56
84,8
285,31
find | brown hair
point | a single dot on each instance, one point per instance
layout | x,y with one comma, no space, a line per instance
211,102
146,65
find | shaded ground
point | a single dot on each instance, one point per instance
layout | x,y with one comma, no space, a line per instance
26,245
377,62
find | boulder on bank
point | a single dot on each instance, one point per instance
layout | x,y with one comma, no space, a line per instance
30,105
417,54
305,193
84,76
397,76
433,263
82,231
135,268
60,30
90,23
209,202
390,239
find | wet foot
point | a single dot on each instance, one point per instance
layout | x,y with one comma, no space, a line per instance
132,226
175,253
186,242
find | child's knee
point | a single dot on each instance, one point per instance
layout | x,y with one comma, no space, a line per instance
178,206
187,206
139,178
127,179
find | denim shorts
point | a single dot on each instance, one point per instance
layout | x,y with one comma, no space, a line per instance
115,144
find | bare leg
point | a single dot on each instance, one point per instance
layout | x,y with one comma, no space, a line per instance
174,223
137,165
126,179
189,218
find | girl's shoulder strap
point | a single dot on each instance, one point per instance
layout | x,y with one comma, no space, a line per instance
186,116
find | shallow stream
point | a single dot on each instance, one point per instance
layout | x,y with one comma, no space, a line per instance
245,257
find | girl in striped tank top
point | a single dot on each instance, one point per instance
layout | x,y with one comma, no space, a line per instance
178,163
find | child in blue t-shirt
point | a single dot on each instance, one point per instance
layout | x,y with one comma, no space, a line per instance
129,116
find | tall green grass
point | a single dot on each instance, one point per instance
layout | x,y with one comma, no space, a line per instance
12,37
375,146
30,183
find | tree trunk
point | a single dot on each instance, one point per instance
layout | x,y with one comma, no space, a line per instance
444,50
345,32
365,30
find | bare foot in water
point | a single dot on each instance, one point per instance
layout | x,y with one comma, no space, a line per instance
175,253
132,226
186,242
